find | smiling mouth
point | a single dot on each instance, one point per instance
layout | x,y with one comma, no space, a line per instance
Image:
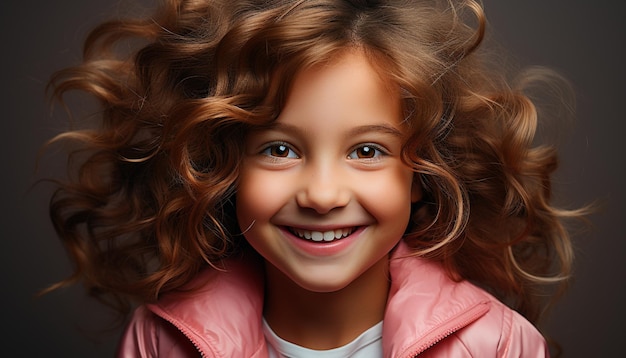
322,236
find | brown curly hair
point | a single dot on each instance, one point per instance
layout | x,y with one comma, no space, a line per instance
152,201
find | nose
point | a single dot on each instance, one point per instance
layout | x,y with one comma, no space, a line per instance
324,188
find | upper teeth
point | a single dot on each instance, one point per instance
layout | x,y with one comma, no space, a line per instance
329,235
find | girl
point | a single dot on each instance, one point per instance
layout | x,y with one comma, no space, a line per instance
328,178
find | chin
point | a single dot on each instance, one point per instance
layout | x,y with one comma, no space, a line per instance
323,287
324,280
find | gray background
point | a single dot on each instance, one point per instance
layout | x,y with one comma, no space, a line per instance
584,40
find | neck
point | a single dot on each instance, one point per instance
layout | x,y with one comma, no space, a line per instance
325,320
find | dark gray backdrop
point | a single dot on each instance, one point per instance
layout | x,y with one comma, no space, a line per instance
584,40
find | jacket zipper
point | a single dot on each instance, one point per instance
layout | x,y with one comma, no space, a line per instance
449,328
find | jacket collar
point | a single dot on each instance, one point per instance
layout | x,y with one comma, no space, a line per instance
223,317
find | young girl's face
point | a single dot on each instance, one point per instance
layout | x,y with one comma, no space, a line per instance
323,194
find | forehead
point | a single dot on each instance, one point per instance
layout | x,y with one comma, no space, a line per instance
352,76
347,90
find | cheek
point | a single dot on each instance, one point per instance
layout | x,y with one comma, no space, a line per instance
389,196
258,196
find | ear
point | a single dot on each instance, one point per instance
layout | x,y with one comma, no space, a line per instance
416,189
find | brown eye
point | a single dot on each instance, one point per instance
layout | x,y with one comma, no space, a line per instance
365,152
279,151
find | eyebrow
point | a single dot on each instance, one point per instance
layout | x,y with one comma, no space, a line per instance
378,128
369,128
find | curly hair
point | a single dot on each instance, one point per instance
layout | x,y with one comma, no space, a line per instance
152,201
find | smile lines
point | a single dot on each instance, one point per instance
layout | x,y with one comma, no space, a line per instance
319,236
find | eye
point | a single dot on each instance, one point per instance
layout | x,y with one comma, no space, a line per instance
368,151
279,150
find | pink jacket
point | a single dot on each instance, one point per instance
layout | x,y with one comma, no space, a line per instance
427,314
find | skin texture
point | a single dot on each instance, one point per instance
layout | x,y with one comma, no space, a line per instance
330,163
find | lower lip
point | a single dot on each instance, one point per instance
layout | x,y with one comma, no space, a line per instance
323,248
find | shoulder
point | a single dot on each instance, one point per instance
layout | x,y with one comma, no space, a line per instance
428,309
502,332
148,335
140,337
193,320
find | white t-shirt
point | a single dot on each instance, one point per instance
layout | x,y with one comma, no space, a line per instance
369,344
